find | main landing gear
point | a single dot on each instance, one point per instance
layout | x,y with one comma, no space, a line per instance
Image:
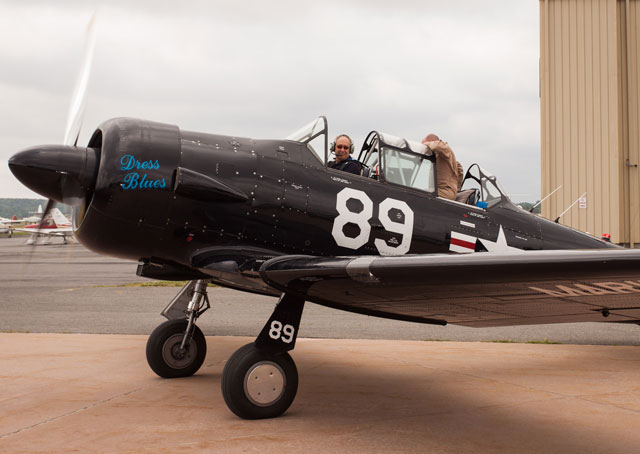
260,380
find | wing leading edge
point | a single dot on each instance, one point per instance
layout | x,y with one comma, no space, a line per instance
479,290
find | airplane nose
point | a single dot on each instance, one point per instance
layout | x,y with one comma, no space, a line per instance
62,173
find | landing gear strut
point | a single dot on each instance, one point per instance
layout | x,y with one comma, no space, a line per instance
260,380
177,347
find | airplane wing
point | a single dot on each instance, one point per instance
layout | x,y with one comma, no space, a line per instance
480,290
63,231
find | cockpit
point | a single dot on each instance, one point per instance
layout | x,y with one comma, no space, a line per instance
401,162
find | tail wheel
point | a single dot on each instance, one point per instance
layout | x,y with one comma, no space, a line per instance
167,359
257,385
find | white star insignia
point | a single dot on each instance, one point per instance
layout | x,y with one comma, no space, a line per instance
500,245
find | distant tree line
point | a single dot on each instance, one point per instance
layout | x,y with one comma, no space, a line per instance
26,207
527,206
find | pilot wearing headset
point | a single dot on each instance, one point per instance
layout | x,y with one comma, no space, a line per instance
343,147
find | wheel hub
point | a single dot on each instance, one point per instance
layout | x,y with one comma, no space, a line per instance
264,383
176,357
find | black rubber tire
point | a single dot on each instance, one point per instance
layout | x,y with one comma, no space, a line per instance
166,338
233,388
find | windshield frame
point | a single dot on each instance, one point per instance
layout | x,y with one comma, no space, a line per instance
310,131
487,182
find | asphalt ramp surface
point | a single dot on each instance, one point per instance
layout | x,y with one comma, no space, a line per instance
68,289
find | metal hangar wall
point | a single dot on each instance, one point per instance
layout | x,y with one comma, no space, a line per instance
590,102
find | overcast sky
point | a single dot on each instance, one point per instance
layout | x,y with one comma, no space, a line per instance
465,70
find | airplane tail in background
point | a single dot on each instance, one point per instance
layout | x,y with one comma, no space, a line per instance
59,219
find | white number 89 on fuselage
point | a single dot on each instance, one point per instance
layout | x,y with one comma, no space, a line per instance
361,220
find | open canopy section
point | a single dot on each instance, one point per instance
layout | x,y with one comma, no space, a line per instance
486,186
398,161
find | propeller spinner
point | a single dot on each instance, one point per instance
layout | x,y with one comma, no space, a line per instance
61,173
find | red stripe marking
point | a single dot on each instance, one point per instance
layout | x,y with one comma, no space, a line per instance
44,227
462,243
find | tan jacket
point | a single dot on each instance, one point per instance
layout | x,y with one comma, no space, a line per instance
449,171
460,175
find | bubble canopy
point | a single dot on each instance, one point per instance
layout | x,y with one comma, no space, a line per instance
396,160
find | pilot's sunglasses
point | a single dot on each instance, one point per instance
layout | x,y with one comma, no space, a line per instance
342,147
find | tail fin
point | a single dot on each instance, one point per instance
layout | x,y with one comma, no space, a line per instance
59,218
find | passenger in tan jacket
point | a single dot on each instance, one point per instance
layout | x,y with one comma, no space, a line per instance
449,171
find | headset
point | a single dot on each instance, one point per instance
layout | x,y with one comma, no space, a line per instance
332,147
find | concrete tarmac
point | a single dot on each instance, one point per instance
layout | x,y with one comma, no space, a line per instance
96,393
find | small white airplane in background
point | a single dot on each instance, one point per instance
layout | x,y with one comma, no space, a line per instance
5,224
7,221
36,216
54,224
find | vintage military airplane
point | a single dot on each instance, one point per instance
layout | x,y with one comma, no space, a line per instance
269,216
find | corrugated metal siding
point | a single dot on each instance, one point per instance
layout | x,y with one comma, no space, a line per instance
583,111
623,125
612,154
632,117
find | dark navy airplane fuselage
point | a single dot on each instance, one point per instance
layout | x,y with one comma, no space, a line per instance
190,205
